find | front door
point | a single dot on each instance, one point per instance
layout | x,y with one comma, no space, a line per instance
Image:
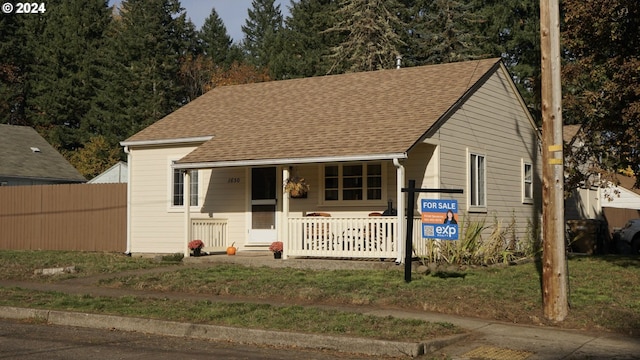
263,205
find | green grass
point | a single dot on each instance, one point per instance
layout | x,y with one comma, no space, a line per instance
20,265
604,293
248,315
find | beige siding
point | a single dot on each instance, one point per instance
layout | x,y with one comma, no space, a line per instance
422,166
225,199
153,229
492,123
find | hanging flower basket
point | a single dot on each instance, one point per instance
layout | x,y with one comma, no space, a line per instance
297,187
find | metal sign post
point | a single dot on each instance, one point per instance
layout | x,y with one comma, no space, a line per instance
411,190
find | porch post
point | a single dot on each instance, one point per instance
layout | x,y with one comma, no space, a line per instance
400,223
284,224
186,186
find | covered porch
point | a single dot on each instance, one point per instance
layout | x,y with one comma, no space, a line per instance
374,237
317,226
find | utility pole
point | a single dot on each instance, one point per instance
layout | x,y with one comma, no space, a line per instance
554,269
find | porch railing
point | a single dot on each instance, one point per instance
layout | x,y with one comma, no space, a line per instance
212,232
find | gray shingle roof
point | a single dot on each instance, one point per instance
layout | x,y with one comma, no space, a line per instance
25,154
378,112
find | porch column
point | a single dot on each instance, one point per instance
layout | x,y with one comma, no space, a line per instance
284,224
186,186
400,237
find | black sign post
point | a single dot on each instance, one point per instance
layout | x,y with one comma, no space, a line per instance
408,247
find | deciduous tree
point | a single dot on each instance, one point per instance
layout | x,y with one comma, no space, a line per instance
602,84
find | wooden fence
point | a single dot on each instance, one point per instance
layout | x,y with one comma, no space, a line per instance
77,217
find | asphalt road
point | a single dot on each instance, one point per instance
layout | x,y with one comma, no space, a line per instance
29,341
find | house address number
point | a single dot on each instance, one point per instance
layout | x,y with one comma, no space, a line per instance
233,180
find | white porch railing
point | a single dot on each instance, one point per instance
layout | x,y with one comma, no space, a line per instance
212,232
367,237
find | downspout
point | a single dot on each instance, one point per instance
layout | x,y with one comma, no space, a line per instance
284,224
400,180
129,166
187,211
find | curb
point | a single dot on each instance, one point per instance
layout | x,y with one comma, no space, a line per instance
233,334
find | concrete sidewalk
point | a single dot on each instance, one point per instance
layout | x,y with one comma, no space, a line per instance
484,339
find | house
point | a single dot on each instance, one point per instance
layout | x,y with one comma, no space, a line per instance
215,168
116,174
26,158
588,201
598,207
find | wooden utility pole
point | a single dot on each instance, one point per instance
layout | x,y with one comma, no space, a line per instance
554,268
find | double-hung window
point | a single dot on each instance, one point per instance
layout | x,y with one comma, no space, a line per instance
353,182
477,181
527,183
177,188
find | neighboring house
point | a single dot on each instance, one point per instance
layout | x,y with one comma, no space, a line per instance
588,201
118,173
26,158
214,169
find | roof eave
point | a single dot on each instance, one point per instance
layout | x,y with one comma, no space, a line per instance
288,161
161,142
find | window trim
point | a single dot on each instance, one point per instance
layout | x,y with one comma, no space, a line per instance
340,201
171,183
470,182
527,183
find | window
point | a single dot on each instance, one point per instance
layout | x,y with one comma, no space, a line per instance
527,182
353,182
178,188
477,176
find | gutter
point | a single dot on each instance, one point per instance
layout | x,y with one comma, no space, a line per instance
129,172
288,161
161,142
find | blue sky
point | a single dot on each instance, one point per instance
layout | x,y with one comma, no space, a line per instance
232,12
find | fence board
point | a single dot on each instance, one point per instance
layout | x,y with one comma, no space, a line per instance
77,217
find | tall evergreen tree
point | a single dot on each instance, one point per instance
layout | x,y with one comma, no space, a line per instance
372,31
512,29
61,81
150,38
15,59
215,41
261,29
305,42
442,31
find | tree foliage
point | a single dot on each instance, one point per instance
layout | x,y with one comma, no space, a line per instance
372,35
442,31
94,157
261,29
305,42
88,76
602,84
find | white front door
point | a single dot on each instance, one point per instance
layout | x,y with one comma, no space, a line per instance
263,206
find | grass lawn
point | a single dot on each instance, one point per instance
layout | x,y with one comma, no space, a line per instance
604,293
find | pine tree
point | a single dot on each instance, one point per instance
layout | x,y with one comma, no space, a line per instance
305,42
215,41
261,29
15,58
61,81
443,31
150,39
373,35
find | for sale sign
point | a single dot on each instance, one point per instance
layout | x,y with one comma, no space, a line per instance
439,219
